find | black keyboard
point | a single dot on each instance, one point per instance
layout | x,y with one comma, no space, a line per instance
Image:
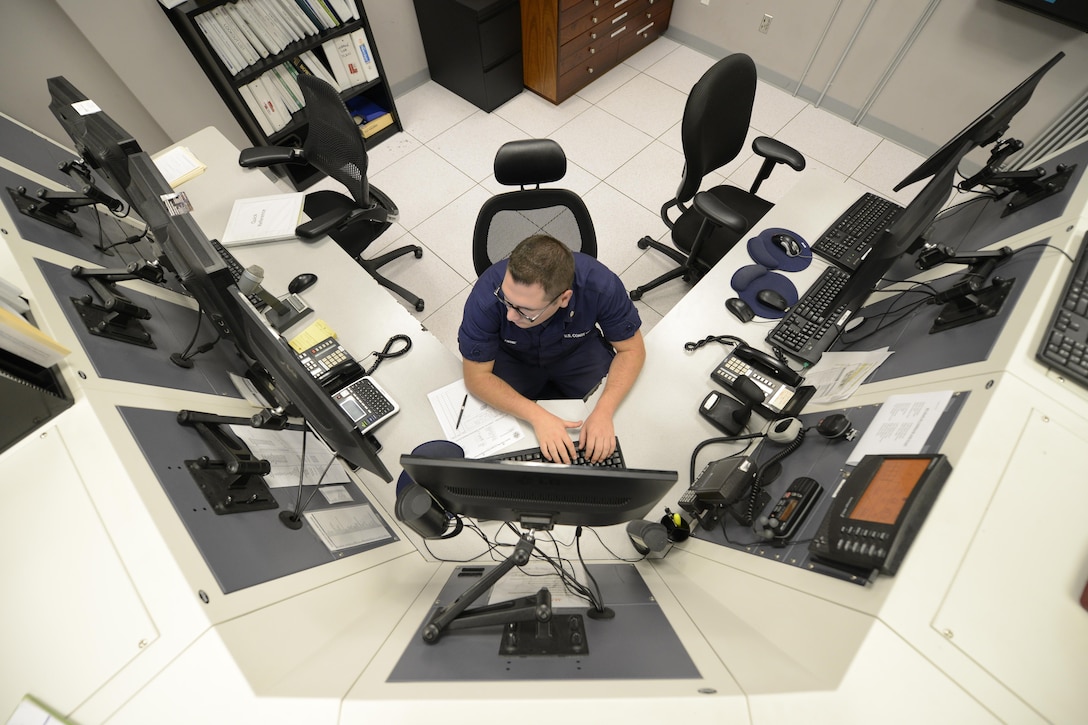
236,270
534,455
849,239
809,327
1065,343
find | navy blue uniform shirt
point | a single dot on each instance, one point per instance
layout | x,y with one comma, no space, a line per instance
568,347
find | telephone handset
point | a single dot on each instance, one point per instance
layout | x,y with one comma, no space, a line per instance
768,364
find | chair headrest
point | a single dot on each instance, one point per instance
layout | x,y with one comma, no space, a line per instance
530,161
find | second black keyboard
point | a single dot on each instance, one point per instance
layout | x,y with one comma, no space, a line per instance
810,326
848,240
535,455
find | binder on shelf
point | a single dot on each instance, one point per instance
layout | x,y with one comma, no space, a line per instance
315,66
261,219
366,57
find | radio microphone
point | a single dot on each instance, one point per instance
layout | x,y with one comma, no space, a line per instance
281,313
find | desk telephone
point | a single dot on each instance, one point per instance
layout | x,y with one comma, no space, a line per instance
331,364
783,395
358,395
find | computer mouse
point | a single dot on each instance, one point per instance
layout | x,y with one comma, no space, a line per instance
787,244
740,309
302,282
773,299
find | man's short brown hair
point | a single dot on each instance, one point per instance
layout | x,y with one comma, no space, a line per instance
543,260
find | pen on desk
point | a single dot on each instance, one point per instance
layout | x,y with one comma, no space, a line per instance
462,413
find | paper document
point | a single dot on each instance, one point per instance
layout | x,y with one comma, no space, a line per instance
475,426
527,580
840,374
343,527
283,451
178,165
902,425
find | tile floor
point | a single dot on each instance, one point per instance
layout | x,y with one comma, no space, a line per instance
621,136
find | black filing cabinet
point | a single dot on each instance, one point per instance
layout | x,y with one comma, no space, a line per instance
473,48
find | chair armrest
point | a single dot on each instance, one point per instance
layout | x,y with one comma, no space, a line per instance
779,152
269,155
340,218
719,213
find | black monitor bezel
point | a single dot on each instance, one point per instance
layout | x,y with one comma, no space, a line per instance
511,490
984,130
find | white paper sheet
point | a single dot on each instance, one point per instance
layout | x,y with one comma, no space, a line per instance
902,425
482,429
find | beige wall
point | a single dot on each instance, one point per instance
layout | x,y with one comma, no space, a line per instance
126,55
966,55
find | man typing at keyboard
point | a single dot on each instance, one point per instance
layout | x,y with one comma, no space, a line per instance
549,323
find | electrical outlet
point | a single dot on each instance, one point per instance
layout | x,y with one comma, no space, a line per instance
765,24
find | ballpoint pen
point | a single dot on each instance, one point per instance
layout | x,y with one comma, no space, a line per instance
462,413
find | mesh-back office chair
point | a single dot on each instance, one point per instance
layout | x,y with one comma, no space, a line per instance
334,146
506,219
713,129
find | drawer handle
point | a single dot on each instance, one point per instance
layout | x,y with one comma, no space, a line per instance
592,36
592,51
642,30
618,18
620,2
589,70
617,32
595,20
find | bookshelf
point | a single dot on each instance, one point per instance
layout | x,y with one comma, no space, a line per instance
251,49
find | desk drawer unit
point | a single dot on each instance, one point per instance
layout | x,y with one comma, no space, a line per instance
569,43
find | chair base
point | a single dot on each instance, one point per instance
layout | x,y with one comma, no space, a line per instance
356,237
373,265
689,274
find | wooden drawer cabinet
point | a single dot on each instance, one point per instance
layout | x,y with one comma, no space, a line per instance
568,43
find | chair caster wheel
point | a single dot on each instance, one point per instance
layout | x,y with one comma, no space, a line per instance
419,305
418,253
636,295
644,243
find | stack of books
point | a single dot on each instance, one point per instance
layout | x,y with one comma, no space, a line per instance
246,31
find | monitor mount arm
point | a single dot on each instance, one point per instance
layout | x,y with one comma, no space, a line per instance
116,317
969,299
231,481
1027,186
52,207
558,635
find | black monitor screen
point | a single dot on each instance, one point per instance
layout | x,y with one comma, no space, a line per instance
984,130
540,492
903,233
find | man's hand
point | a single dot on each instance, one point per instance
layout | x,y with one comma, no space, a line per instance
555,442
598,437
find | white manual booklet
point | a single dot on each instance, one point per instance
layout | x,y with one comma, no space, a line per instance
263,219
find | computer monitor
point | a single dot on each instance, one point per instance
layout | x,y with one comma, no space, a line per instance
188,252
101,141
984,130
294,384
539,495
902,235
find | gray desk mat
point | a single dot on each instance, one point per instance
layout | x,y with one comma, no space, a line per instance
902,323
978,223
31,151
242,549
171,327
639,643
88,220
824,461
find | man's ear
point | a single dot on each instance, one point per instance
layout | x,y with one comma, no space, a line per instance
564,298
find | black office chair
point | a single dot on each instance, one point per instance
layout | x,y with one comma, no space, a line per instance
507,219
335,147
715,123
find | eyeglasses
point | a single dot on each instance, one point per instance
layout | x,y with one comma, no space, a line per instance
521,311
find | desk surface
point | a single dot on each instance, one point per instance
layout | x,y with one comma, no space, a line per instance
766,639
